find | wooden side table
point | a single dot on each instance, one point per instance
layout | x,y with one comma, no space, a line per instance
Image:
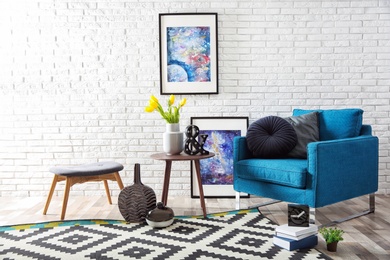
168,165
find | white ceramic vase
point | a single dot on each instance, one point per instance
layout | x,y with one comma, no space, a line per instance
173,139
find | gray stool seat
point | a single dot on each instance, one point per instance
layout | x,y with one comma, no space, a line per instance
101,171
90,169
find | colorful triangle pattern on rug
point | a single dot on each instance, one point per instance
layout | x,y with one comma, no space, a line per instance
234,235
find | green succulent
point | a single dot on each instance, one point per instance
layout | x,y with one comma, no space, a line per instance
332,234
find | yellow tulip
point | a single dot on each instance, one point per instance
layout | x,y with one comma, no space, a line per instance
171,100
149,109
153,104
183,102
154,99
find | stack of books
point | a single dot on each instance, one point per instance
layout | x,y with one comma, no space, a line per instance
293,238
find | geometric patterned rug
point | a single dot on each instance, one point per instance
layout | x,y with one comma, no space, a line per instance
235,235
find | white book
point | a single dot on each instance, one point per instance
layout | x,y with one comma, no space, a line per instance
296,231
279,234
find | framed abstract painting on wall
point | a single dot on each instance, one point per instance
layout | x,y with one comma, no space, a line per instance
217,172
188,53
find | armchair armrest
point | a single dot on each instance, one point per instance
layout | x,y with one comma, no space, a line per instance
240,149
366,130
342,169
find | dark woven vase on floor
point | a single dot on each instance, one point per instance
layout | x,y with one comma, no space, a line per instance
137,200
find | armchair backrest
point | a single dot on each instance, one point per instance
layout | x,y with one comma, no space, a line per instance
337,123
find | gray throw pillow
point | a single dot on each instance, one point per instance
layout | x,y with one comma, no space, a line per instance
307,129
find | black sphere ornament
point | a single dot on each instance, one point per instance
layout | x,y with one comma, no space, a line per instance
192,146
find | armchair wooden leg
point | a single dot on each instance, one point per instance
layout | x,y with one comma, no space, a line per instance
50,195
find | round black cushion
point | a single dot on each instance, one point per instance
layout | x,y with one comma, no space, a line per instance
271,137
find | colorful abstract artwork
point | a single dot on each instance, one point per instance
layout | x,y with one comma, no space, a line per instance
216,173
218,170
188,54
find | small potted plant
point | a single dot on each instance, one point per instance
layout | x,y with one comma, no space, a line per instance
173,139
332,236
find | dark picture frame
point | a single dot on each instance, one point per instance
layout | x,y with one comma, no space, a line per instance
217,172
188,53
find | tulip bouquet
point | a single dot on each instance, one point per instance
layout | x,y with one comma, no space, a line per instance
172,114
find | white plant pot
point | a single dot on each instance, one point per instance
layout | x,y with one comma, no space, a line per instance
173,139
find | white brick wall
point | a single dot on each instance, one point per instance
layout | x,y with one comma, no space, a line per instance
75,77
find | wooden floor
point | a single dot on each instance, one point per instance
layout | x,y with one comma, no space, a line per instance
367,237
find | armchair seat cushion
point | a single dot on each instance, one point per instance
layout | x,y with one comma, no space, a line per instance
286,172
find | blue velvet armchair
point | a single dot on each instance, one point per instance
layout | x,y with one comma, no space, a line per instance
342,165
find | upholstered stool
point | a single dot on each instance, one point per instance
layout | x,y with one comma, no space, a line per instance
101,171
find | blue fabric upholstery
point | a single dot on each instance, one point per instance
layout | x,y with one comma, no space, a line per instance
334,171
337,123
290,172
343,169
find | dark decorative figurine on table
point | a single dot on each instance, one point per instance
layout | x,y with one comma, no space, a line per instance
192,146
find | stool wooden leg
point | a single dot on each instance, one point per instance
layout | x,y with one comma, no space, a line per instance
66,196
50,195
118,180
107,191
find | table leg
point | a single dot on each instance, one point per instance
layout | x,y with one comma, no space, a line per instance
167,177
201,195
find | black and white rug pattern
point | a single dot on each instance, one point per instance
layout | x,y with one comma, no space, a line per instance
234,235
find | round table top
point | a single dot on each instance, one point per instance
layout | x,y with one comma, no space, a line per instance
180,157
